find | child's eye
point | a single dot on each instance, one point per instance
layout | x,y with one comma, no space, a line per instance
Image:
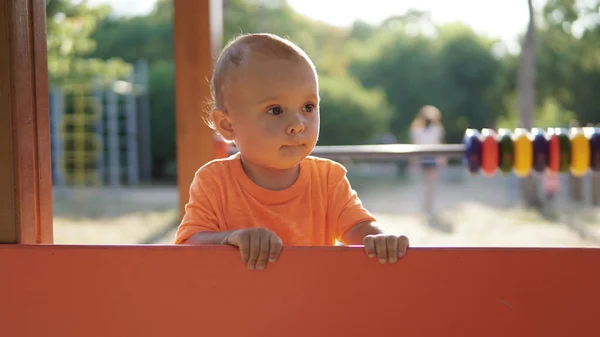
309,107
275,111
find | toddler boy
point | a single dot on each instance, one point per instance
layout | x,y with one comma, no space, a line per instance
272,192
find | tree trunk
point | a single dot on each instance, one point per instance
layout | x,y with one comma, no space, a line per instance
576,188
526,93
595,185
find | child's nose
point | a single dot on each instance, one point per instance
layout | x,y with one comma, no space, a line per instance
296,124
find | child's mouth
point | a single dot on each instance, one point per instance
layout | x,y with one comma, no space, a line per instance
293,145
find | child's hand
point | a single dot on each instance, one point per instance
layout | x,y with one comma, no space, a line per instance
257,245
387,248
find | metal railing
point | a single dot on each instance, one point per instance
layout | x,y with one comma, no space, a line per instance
386,151
389,151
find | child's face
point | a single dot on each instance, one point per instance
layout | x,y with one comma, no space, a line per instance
273,108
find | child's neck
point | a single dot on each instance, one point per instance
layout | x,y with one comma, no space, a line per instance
271,179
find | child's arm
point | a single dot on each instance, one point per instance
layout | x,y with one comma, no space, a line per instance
386,247
356,235
208,238
356,226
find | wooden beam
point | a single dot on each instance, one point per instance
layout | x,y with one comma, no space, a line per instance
198,36
98,291
25,167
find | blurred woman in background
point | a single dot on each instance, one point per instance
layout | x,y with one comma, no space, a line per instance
427,128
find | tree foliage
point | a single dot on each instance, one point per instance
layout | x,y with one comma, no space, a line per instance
373,78
69,29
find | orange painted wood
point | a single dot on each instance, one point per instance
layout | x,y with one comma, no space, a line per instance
197,33
25,168
43,169
98,291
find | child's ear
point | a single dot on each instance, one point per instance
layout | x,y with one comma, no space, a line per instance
222,122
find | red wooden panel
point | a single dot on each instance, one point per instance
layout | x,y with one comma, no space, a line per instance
192,291
25,163
43,168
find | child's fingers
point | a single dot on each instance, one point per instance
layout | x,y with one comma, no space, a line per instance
381,248
369,243
254,251
276,245
403,244
387,248
244,246
263,253
392,248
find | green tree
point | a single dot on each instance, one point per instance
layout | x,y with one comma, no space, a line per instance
471,81
162,118
454,70
568,56
351,115
69,26
406,68
148,37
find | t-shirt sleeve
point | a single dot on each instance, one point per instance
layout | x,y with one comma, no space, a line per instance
201,210
345,208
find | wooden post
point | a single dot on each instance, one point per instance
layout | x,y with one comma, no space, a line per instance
25,161
198,35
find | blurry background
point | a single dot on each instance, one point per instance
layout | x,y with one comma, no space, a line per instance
113,129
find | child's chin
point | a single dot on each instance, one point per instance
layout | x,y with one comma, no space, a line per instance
289,161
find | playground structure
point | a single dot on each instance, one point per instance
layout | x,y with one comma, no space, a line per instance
100,131
520,151
54,290
338,291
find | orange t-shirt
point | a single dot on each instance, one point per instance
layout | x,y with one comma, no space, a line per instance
315,211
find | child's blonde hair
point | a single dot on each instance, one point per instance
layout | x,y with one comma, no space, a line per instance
237,53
